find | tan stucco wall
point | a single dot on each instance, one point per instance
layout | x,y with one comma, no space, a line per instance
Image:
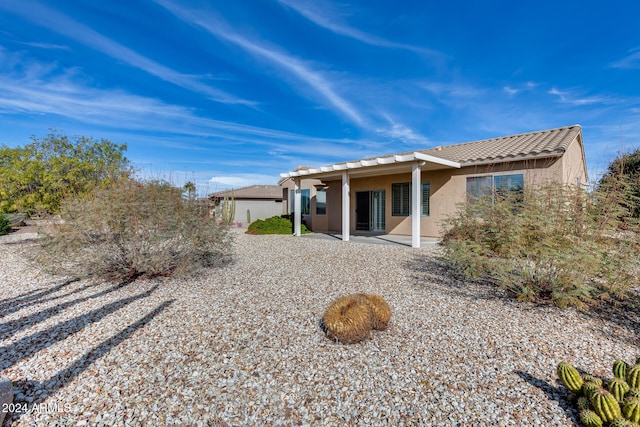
448,190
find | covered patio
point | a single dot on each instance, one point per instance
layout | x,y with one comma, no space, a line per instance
414,163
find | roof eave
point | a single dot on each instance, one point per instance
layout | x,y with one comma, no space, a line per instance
367,164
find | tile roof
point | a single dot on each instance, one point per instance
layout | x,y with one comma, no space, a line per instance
524,146
544,143
251,192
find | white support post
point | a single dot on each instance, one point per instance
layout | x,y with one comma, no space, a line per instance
297,208
345,207
416,189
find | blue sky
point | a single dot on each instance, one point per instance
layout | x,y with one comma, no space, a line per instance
231,93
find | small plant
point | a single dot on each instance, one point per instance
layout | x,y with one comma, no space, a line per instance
273,225
351,318
5,224
248,216
617,405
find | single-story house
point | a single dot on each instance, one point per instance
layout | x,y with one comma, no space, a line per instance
252,203
411,193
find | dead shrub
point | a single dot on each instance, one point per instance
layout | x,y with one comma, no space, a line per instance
134,229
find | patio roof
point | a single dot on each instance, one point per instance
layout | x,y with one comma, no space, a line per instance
525,146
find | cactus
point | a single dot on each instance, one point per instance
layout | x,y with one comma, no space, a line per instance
569,376
590,418
588,389
348,319
634,392
621,422
631,409
228,209
583,403
248,216
618,388
592,379
620,369
606,405
633,377
380,310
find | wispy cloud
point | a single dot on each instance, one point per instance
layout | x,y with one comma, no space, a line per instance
400,132
55,21
451,90
298,68
631,61
574,97
323,14
33,88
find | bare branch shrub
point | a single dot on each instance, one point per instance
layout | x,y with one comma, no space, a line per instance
132,230
550,244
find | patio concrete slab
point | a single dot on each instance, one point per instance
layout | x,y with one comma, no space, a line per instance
376,239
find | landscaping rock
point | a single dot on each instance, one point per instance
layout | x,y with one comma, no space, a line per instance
17,219
6,396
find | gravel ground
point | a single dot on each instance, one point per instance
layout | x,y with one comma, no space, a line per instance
242,345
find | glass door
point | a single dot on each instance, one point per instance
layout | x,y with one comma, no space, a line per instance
377,222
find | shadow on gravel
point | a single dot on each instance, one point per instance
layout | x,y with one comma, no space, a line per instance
553,393
28,346
30,393
11,305
429,270
10,328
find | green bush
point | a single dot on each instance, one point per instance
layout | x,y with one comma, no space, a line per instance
5,224
133,230
274,225
549,244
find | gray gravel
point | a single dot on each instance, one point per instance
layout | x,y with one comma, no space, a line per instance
242,345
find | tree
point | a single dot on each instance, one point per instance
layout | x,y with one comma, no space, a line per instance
190,188
38,176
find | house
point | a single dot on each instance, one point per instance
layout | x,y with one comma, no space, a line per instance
251,203
411,193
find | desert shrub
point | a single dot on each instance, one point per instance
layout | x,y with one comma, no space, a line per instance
135,229
551,243
5,224
623,178
274,225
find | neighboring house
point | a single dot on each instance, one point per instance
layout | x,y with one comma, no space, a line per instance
382,194
260,201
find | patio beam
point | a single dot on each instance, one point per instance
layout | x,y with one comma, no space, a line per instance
416,187
297,207
346,203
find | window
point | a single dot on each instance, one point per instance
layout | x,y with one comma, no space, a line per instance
479,187
321,201
306,201
401,199
426,194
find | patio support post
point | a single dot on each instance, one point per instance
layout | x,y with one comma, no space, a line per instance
345,206
297,207
416,187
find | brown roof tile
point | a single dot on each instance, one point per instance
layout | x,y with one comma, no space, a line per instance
552,142
251,192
